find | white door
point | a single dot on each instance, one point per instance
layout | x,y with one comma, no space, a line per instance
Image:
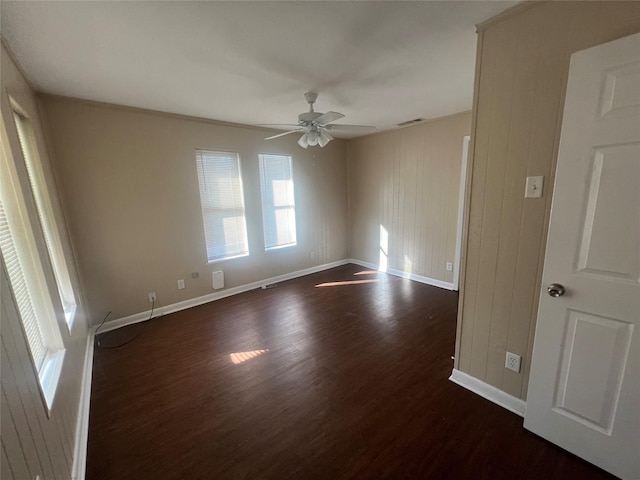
584,388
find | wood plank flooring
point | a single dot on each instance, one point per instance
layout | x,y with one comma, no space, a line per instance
338,375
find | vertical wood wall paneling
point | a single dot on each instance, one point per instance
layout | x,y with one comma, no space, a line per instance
15,453
407,181
5,466
25,399
14,410
499,117
41,438
478,168
523,62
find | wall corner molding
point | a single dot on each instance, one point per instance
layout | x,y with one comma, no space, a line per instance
489,392
79,467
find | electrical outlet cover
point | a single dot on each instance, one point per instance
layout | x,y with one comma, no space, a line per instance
512,362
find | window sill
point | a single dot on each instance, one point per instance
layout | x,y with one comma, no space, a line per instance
50,377
280,247
216,260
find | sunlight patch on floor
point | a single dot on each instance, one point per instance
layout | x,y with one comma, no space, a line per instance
367,272
241,357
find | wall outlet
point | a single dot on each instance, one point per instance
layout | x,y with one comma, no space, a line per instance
152,297
449,267
512,362
181,284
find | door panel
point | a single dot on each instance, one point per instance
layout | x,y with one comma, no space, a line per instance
596,348
611,231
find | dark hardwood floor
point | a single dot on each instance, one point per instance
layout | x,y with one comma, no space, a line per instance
305,381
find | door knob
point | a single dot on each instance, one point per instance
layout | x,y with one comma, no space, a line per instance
555,290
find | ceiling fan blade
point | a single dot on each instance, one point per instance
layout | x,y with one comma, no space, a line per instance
284,133
328,118
350,128
278,125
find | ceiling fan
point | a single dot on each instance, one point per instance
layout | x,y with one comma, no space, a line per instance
316,126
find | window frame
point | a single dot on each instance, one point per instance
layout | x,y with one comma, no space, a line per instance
268,205
42,199
239,209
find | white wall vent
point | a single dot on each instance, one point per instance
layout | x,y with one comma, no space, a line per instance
218,279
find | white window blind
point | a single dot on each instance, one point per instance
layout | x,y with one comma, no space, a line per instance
21,291
46,215
222,201
278,202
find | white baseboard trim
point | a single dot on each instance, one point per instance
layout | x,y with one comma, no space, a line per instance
411,276
210,297
82,423
492,394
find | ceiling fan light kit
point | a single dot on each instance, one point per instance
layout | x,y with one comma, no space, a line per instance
313,138
314,125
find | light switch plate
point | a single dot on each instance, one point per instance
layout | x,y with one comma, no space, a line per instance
534,186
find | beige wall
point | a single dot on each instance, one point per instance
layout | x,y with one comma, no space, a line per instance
32,443
408,181
523,60
129,183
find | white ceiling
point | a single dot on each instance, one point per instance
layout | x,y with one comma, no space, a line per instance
379,63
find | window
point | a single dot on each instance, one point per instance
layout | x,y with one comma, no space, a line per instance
23,266
225,226
45,215
278,203
21,292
